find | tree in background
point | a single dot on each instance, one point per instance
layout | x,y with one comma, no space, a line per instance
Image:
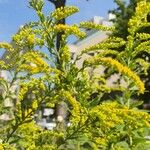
124,12
92,124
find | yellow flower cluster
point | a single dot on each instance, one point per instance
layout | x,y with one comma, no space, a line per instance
35,84
69,29
35,104
30,69
91,25
122,69
110,43
22,92
49,133
5,146
140,17
144,46
31,39
125,70
144,65
101,141
6,46
65,53
34,63
2,65
26,130
64,12
25,36
1,147
143,36
111,115
27,112
108,119
76,106
109,52
39,42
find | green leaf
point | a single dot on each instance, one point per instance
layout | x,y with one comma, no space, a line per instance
95,101
134,104
121,146
142,146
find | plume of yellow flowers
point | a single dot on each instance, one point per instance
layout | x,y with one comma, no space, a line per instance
65,53
64,12
140,17
69,29
3,65
76,106
91,25
35,84
24,36
108,44
110,115
7,46
121,68
34,63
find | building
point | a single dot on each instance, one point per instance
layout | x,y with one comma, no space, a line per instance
94,37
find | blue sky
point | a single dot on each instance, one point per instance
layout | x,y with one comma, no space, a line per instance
14,13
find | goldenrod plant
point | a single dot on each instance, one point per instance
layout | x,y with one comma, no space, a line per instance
45,75
127,52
